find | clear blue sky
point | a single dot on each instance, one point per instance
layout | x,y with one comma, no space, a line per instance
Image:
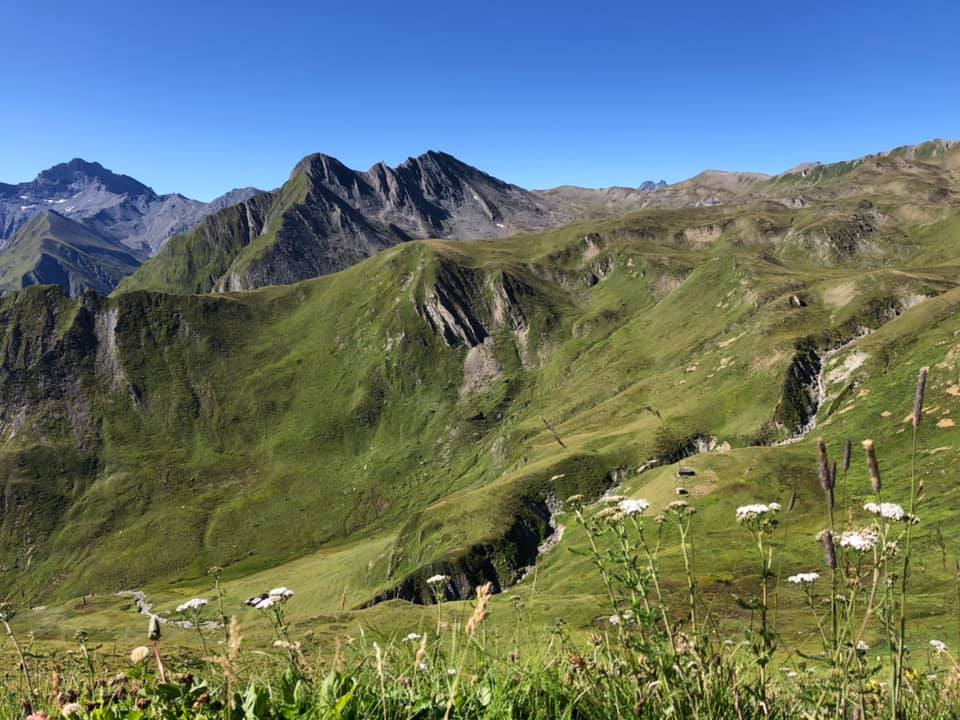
202,96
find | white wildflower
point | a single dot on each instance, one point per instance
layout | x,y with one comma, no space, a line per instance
746,513
888,510
412,637
807,578
793,675
281,593
194,604
939,647
862,647
633,507
862,540
438,580
69,709
614,619
451,671
265,603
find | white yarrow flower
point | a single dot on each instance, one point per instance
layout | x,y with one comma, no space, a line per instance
807,578
862,647
939,647
633,507
281,593
862,540
438,579
412,637
265,604
888,510
746,513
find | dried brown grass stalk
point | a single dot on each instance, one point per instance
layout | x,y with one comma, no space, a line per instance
484,593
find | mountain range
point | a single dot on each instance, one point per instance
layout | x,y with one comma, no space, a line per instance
117,209
327,217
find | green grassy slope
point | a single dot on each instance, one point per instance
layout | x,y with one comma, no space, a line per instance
353,434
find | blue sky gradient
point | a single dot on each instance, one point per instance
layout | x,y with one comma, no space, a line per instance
198,97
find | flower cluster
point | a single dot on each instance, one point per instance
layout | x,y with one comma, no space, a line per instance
807,578
438,580
889,511
862,540
757,511
679,507
939,647
194,604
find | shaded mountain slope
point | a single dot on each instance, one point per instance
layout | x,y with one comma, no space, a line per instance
54,250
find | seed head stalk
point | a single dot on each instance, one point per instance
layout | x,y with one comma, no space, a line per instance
24,668
905,575
683,523
827,482
215,572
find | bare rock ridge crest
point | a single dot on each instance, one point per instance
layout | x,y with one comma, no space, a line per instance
327,217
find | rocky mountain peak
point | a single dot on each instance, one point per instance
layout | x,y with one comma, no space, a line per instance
79,174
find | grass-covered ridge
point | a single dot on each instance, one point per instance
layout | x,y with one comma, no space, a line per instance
355,434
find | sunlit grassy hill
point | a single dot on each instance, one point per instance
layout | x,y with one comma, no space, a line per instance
426,410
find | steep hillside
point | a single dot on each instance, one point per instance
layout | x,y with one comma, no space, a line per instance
407,424
328,217
54,250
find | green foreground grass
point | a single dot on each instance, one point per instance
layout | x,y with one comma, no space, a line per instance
659,645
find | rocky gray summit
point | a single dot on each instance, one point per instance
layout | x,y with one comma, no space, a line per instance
115,206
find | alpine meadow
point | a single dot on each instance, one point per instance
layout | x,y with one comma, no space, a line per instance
422,442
